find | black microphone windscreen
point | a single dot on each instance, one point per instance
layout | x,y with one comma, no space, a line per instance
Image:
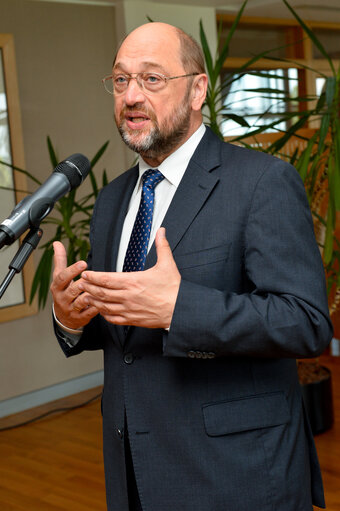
75,168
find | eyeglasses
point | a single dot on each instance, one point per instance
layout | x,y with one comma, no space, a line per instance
148,82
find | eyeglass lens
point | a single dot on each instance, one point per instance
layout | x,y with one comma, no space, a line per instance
118,83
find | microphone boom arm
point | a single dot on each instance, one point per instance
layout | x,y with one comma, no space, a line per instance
29,243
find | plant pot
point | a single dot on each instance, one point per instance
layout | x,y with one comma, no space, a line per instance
317,396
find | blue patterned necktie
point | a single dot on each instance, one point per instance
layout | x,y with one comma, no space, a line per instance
139,241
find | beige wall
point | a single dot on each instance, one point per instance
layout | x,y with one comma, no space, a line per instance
62,52
136,12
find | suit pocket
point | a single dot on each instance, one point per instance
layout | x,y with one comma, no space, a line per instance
246,414
202,257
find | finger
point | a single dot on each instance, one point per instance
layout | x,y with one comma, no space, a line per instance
109,308
88,313
81,302
60,258
104,294
84,311
110,280
163,249
62,274
76,308
116,320
63,279
73,291
106,307
101,307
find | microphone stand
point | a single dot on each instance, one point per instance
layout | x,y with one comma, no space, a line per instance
29,243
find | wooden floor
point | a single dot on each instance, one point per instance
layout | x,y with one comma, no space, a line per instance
56,464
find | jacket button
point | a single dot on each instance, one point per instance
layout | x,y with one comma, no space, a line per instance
191,354
128,358
120,433
211,354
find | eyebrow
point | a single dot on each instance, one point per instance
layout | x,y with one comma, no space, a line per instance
146,64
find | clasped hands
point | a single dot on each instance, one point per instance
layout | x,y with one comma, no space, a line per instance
145,298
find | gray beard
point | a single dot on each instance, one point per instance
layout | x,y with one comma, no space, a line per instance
161,141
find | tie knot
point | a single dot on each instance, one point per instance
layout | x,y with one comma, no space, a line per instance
151,178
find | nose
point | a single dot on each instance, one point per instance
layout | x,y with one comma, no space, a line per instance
134,93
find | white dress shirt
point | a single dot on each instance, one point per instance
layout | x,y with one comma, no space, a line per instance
173,169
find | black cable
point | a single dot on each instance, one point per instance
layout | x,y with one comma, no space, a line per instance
50,412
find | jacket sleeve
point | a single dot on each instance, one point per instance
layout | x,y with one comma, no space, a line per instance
73,345
286,313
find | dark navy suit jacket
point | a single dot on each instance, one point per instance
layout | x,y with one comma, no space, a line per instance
213,407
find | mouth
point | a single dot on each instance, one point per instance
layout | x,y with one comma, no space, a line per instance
136,119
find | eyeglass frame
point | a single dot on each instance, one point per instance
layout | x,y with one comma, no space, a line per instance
140,84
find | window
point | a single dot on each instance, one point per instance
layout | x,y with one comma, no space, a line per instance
286,39
257,108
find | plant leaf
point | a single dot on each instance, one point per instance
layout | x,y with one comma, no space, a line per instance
237,118
51,151
311,35
267,90
206,50
337,167
296,64
328,248
28,174
225,49
104,178
99,153
304,160
93,183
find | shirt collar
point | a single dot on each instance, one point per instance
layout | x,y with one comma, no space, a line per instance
174,166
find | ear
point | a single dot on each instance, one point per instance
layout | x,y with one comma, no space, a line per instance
199,91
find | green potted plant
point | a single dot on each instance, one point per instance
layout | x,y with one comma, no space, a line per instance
71,224
319,167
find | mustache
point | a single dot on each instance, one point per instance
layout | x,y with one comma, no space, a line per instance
136,107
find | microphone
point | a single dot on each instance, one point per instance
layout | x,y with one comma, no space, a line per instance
29,212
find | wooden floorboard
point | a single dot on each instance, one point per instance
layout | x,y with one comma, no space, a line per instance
56,464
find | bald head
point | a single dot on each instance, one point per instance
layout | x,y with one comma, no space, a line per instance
182,46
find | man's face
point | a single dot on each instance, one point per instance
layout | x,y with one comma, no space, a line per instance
153,124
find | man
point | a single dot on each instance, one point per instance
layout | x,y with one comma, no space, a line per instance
199,348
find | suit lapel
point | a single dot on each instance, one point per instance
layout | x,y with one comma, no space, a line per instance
120,205
192,193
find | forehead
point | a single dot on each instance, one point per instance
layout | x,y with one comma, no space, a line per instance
150,46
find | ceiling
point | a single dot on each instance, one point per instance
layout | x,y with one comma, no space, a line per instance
321,10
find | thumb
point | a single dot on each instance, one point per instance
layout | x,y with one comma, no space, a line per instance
60,258
164,253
